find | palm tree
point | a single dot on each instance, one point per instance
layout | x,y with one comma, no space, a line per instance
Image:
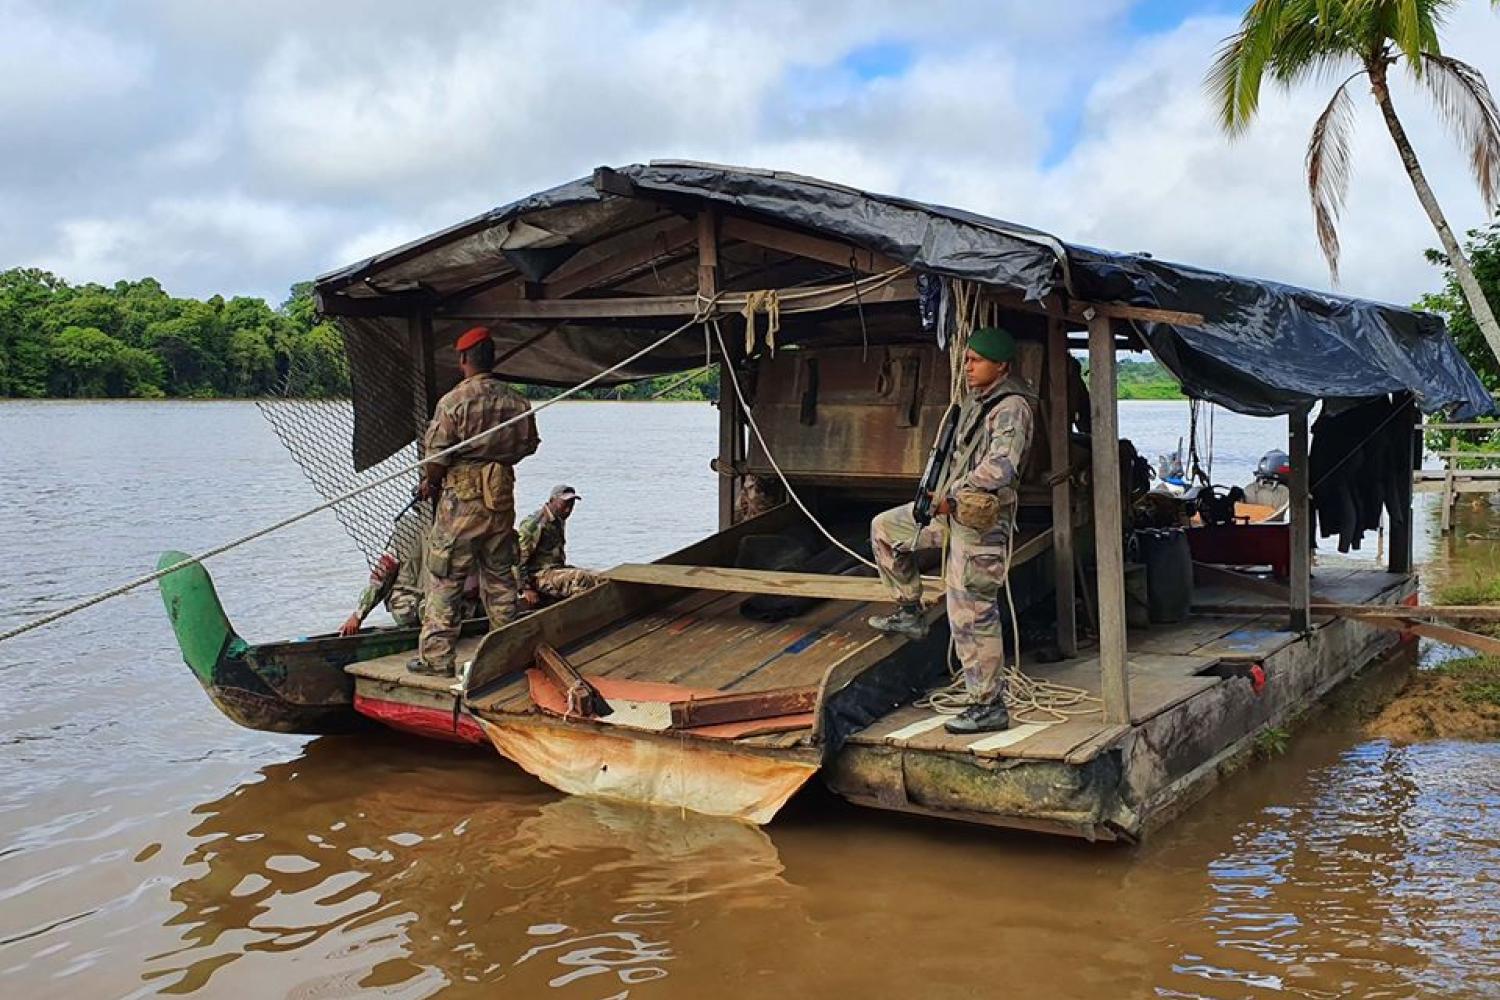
1293,40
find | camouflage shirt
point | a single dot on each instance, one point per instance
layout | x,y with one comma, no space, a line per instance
991,446
479,402
542,542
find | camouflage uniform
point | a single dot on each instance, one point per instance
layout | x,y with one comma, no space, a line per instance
543,558
473,529
989,452
399,581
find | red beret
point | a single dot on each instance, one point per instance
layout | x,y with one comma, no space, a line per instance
472,337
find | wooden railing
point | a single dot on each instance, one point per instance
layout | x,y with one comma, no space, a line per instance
1461,471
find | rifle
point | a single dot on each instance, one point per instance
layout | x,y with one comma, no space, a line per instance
921,507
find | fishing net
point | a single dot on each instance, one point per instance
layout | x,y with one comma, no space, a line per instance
319,434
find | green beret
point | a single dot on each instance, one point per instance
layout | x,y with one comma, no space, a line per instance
993,344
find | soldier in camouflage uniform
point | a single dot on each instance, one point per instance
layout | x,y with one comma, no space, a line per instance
474,527
974,507
544,574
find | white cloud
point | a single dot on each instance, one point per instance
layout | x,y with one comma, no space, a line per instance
52,64
259,146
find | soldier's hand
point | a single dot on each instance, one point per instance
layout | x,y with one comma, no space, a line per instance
426,490
531,597
351,625
942,506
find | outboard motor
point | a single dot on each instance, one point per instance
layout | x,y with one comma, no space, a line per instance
1275,467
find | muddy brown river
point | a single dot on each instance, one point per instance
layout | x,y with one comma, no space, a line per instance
148,846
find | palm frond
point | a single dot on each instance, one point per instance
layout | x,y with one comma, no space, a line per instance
1328,170
1465,104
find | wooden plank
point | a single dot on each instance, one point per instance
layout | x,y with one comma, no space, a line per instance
791,584
743,706
731,419
581,694
1108,523
664,242
813,298
1117,310
1299,513
812,247
1451,612
1060,451
1441,633
513,647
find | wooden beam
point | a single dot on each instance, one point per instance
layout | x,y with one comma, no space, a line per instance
1059,421
743,706
1299,514
1078,312
581,694
663,242
813,298
1415,612
802,245
822,586
1441,633
1108,522
732,441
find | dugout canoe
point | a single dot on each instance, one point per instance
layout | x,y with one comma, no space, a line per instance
291,686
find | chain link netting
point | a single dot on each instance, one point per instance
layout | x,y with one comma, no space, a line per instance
319,434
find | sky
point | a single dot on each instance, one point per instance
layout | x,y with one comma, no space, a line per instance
236,148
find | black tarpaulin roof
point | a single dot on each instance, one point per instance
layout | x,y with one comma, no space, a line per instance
1264,347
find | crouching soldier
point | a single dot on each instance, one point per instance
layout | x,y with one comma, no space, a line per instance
544,573
399,580
474,526
975,508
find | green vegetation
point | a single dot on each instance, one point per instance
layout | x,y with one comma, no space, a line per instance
1147,380
132,339
1481,588
1478,679
1483,248
1272,741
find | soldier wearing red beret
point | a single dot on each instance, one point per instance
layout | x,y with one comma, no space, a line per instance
474,524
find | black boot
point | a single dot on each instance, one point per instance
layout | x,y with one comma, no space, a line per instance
989,718
417,665
907,620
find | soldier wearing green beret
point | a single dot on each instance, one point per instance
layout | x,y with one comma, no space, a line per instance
974,508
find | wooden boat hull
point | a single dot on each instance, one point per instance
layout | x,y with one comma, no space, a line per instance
279,687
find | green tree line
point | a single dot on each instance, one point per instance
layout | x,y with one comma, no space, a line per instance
132,339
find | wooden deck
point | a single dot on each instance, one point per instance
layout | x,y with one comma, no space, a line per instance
1188,706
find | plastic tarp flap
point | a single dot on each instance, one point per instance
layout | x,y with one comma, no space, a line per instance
1265,348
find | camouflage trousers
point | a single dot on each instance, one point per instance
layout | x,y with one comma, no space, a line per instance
405,607
972,577
564,581
466,538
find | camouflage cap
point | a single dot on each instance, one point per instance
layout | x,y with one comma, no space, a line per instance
564,493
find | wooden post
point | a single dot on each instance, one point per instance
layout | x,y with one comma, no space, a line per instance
731,424
1108,521
1299,514
419,342
1403,532
1450,496
1059,420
